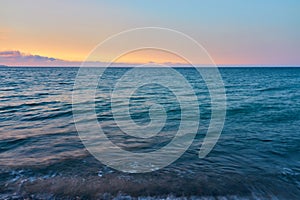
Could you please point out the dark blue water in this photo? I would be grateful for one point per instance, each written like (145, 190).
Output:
(256, 157)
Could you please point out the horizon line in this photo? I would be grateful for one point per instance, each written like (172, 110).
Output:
(130, 65)
(15, 58)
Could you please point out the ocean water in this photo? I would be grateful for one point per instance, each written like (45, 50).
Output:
(256, 157)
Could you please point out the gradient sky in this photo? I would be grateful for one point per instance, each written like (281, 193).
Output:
(237, 32)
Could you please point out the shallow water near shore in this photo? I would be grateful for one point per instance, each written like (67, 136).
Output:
(256, 157)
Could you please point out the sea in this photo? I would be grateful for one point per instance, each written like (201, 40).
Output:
(257, 155)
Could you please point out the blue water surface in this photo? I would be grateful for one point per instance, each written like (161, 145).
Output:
(256, 157)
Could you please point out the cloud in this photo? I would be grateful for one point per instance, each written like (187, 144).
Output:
(9, 54)
(17, 58)
(14, 57)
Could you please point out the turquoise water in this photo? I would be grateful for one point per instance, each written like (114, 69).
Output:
(256, 157)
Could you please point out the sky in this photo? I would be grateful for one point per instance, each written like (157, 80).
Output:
(234, 32)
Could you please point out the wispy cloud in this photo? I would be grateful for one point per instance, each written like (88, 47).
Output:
(17, 58)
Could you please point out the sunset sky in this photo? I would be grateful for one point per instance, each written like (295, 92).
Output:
(234, 32)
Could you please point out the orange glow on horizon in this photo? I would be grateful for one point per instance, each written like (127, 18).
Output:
(149, 56)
